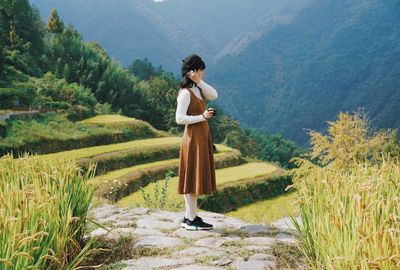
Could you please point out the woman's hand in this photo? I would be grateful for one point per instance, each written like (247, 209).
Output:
(194, 76)
(208, 114)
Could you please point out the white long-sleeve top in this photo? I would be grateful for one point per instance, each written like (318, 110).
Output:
(183, 99)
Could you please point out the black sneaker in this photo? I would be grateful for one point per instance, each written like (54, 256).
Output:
(184, 221)
(197, 224)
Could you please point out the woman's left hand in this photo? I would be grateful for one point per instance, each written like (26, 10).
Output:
(194, 76)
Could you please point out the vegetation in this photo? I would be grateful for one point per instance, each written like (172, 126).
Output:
(331, 57)
(59, 134)
(43, 214)
(268, 210)
(158, 199)
(235, 175)
(49, 66)
(350, 205)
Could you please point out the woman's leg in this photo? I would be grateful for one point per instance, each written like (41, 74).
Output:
(191, 205)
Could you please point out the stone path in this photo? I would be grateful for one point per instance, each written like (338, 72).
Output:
(232, 244)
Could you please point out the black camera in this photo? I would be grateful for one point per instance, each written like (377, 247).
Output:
(213, 110)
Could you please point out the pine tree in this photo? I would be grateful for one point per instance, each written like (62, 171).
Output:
(15, 40)
(54, 24)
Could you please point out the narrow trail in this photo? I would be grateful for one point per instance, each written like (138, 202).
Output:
(232, 244)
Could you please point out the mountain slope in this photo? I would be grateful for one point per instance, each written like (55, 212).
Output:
(334, 56)
(166, 32)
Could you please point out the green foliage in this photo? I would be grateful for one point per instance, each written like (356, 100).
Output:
(54, 24)
(24, 94)
(57, 133)
(144, 69)
(58, 94)
(159, 196)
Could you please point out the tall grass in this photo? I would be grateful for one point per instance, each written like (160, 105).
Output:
(351, 216)
(43, 207)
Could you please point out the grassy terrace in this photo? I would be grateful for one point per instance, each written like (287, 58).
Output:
(268, 210)
(103, 149)
(112, 175)
(227, 176)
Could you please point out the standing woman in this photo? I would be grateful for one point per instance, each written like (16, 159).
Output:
(196, 161)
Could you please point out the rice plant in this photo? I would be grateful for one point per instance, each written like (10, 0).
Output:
(350, 207)
(43, 207)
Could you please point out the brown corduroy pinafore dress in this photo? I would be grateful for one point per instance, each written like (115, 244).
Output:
(196, 159)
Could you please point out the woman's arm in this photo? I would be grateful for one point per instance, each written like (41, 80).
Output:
(208, 91)
(183, 104)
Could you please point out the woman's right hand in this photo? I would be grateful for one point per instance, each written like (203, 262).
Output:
(208, 114)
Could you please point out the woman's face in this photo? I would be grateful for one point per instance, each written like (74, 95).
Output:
(201, 73)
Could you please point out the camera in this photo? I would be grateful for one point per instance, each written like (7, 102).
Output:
(213, 110)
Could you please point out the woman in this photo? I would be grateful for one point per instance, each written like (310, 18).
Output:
(196, 161)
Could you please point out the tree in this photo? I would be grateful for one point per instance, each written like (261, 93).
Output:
(15, 40)
(55, 24)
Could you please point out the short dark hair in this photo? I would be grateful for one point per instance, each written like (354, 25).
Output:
(191, 62)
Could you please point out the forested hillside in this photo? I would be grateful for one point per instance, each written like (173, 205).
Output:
(166, 32)
(334, 56)
(47, 65)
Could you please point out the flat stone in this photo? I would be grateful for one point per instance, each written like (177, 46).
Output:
(137, 211)
(158, 241)
(98, 232)
(286, 224)
(103, 211)
(211, 214)
(197, 267)
(210, 242)
(262, 257)
(124, 223)
(154, 262)
(287, 238)
(199, 252)
(154, 223)
(168, 216)
(194, 234)
(258, 248)
(240, 264)
(120, 232)
(143, 232)
(260, 241)
(222, 262)
(232, 238)
(254, 228)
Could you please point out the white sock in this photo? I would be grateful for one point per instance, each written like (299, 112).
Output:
(191, 205)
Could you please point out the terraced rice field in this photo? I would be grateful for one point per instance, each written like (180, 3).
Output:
(231, 175)
(103, 149)
(268, 210)
(147, 164)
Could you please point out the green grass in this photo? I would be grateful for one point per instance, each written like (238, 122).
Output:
(229, 175)
(268, 210)
(109, 118)
(102, 149)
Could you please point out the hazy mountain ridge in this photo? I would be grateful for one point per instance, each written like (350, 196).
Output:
(332, 57)
(166, 31)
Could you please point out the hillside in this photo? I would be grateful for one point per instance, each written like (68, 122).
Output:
(334, 56)
(166, 32)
